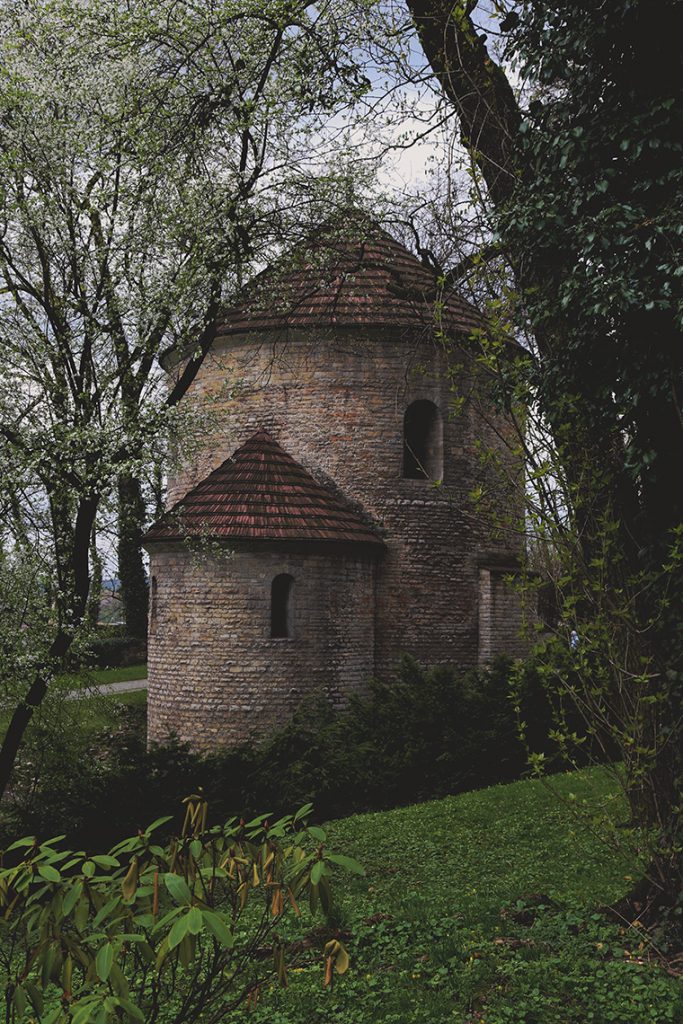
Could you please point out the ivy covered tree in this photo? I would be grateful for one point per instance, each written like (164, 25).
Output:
(578, 158)
(149, 152)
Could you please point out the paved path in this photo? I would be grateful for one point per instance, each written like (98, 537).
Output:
(125, 686)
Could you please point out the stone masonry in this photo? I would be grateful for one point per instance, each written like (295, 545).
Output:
(216, 675)
(334, 396)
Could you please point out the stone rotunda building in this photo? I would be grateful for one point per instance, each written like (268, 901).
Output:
(325, 524)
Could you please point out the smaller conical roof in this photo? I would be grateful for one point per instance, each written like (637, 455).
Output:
(262, 493)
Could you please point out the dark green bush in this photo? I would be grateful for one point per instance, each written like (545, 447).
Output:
(107, 647)
(426, 734)
(117, 651)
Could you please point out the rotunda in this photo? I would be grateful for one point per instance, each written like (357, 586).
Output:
(326, 523)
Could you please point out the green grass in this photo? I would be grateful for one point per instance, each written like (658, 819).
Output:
(94, 713)
(117, 675)
(99, 713)
(131, 699)
(438, 931)
(85, 717)
(477, 849)
(95, 677)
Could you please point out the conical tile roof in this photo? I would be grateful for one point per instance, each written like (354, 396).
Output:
(350, 276)
(262, 493)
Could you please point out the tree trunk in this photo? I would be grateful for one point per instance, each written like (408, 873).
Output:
(476, 86)
(72, 542)
(95, 594)
(131, 567)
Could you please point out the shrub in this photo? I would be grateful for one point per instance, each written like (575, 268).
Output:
(426, 734)
(107, 646)
(146, 930)
(117, 651)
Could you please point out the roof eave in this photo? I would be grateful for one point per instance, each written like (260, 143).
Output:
(376, 546)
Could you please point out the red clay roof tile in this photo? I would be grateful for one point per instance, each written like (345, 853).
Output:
(262, 493)
(349, 279)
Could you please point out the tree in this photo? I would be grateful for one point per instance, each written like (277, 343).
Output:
(581, 173)
(149, 153)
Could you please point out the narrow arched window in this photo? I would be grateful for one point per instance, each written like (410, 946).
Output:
(281, 605)
(422, 442)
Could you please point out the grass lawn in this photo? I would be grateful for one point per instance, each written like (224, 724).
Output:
(95, 677)
(86, 716)
(92, 714)
(483, 909)
(117, 675)
(101, 711)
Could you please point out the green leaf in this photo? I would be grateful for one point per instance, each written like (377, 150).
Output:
(317, 871)
(146, 952)
(52, 1016)
(186, 950)
(134, 1012)
(104, 960)
(162, 953)
(255, 822)
(178, 888)
(195, 921)
(81, 915)
(313, 898)
(105, 861)
(317, 833)
(144, 920)
(83, 1013)
(324, 893)
(72, 897)
(303, 811)
(19, 1000)
(159, 822)
(166, 919)
(19, 844)
(105, 911)
(36, 996)
(49, 873)
(218, 928)
(118, 981)
(178, 931)
(348, 863)
(47, 962)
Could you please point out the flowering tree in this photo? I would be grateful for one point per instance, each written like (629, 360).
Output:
(149, 152)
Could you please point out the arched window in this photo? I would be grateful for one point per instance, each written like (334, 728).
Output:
(422, 442)
(281, 605)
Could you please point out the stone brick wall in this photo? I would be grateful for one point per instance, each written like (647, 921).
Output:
(215, 673)
(336, 403)
(501, 616)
